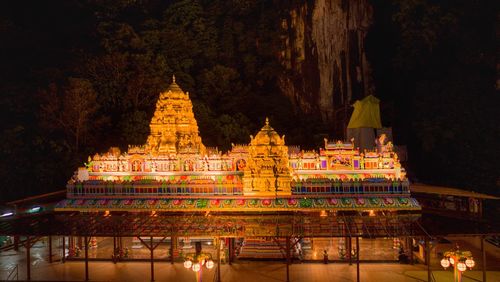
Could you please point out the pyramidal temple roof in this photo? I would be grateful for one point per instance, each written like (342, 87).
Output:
(173, 128)
(174, 87)
(267, 136)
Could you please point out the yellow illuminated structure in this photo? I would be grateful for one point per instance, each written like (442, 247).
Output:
(174, 171)
(173, 128)
(267, 171)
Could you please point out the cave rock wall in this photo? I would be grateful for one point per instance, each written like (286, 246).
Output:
(324, 56)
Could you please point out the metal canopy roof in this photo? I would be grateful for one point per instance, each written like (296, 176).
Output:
(448, 191)
(240, 225)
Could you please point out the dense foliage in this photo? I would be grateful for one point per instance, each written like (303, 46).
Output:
(79, 76)
(436, 62)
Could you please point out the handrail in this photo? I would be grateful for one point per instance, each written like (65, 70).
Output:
(14, 273)
(432, 276)
(215, 274)
(37, 197)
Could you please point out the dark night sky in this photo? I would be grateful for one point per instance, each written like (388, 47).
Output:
(435, 70)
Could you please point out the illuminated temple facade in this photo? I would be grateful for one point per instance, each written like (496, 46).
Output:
(174, 171)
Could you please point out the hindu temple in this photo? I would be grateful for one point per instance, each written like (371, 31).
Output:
(174, 171)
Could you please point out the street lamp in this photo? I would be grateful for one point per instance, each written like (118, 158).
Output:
(195, 261)
(460, 260)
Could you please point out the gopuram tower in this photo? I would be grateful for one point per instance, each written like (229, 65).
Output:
(267, 171)
(173, 128)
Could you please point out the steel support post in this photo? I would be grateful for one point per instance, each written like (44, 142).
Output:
(50, 249)
(411, 251)
(63, 258)
(483, 251)
(349, 249)
(152, 260)
(357, 258)
(230, 251)
(218, 259)
(428, 259)
(173, 240)
(28, 258)
(16, 243)
(86, 258)
(287, 259)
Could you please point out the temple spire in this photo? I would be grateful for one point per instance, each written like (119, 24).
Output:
(267, 121)
(173, 128)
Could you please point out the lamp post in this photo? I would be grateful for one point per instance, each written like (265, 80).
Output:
(459, 260)
(196, 261)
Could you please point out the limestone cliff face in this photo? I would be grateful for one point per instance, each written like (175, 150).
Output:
(324, 55)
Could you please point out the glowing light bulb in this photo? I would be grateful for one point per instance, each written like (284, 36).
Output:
(461, 266)
(470, 263)
(196, 267)
(188, 264)
(445, 263)
(210, 264)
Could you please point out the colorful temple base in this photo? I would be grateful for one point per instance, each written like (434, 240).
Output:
(242, 204)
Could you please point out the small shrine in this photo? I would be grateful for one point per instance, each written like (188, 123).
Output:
(267, 171)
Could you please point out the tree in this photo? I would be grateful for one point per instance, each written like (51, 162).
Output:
(71, 110)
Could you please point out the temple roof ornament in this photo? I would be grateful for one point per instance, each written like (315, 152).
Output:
(267, 136)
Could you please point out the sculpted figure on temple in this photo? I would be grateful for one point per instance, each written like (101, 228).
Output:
(163, 142)
(156, 117)
(380, 142)
(167, 140)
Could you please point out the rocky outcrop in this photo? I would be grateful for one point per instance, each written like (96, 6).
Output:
(324, 55)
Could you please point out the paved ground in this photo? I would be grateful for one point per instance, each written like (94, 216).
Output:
(241, 271)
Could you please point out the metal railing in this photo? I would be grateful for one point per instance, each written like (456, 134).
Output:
(13, 274)
(215, 279)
